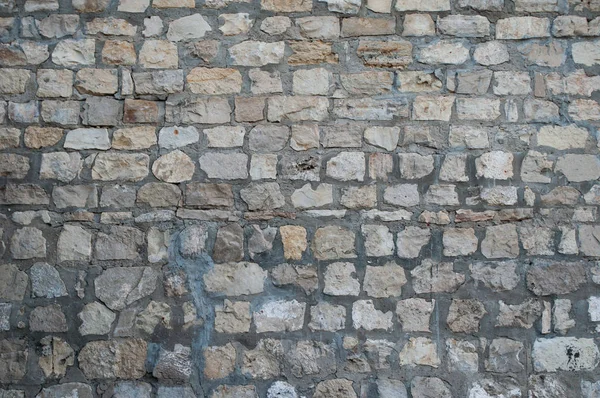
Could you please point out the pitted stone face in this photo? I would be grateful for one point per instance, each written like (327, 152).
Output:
(299, 198)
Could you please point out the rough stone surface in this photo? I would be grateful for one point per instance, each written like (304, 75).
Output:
(295, 198)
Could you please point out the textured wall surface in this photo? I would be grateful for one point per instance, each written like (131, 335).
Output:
(298, 198)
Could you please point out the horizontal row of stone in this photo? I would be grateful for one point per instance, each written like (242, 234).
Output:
(328, 243)
(105, 111)
(313, 27)
(280, 6)
(264, 138)
(419, 386)
(309, 358)
(57, 83)
(162, 54)
(176, 167)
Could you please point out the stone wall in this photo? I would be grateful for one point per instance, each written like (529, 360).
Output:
(298, 198)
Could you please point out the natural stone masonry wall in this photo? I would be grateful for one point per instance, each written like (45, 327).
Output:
(297, 198)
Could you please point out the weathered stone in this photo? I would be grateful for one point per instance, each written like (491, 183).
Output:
(418, 25)
(154, 315)
(578, 168)
(158, 82)
(312, 82)
(443, 195)
(347, 166)
(26, 112)
(556, 278)
(235, 24)
(444, 52)
(187, 28)
(492, 387)
(279, 316)
(304, 276)
(431, 277)
(226, 391)
(13, 283)
(276, 25)
(414, 314)
(140, 111)
(384, 281)
(497, 276)
(65, 113)
(335, 388)
(517, 28)
(65, 390)
(255, 53)
(102, 111)
(263, 196)
(511, 83)
(325, 28)
(419, 351)
(333, 242)
(54, 83)
(81, 196)
(85, 138)
(327, 317)
(264, 361)
(208, 195)
(219, 361)
(281, 389)
(28, 242)
(565, 353)
(120, 287)
(464, 25)
(462, 355)
(38, 137)
(133, 389)
(113, 358)
(286, 6)
(233, 317)
(235, 279)
(118, 52)
(229, 244)
(174, 365)
(343, 6)
(519, 315)
(214, 81)
(424, 387)
(459, 242)
(57, 355)
(367, 26)
(228, 166)
(173, 167)
(97, 81)
(121, 244)
(249, 109)
(586, 53)
(505, 356)
(13, 166)
(464, 316)
(13, 81)
(159, 195)
(95, 319)
(158, 54)
(411, 240)
(46, 281)
(311, 52)
(72, 53)
(427, 6)
(396, 54)
(60, 166)
(49, 319)
(500, 241)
